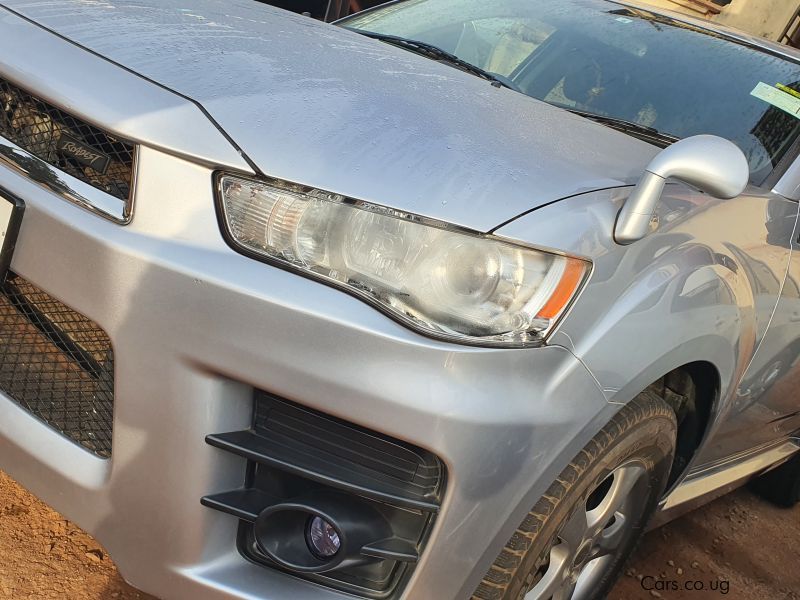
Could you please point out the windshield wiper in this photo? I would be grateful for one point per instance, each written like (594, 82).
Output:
(436, 53)
(648, 134)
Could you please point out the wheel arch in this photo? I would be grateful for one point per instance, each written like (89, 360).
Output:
(713, 382)
(692, 391)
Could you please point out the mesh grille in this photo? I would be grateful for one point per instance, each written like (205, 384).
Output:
(37, 127)
(57, 364)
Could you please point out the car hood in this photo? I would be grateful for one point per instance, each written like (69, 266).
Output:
(315, 104)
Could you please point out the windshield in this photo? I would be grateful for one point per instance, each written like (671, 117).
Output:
(599, 57)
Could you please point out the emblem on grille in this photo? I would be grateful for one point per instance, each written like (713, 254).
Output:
(86, 155)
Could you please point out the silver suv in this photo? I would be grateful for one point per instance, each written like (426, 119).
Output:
(444, 301)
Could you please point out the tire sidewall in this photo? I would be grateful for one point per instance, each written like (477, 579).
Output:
(650, 441)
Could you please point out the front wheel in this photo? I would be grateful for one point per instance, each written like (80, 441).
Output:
(575, 541)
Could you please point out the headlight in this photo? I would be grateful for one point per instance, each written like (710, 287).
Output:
(443, 282)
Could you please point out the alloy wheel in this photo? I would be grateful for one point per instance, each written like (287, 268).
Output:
(584, 549)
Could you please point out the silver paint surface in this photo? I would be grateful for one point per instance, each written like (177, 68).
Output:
(703, 287)
(107, 96)
(196, 326)
(312, 103)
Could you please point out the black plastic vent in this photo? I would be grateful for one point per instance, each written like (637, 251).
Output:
(57, 364)
(65, 142)
(296, 454)
(334, 452)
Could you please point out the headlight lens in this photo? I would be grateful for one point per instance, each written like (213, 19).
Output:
(446, 283)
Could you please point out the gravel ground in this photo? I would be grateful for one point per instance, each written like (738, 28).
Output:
(737, 547)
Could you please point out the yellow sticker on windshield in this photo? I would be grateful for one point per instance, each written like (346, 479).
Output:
(787, 89)
(777, 98)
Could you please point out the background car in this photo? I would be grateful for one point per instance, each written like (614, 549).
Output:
(325, 10)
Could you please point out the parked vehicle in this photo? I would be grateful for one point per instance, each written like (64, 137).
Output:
(447, 300)
(324, 10)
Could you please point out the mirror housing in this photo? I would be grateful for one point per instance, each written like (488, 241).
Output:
(709, 163)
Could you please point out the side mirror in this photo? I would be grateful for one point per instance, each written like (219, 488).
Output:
(709, 163)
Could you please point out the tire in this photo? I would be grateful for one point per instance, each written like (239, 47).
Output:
(781, 485)
(637, 446)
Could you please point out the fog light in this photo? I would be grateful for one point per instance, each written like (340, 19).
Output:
(322, 538)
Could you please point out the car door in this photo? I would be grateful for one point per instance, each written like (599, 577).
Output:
(766, 406)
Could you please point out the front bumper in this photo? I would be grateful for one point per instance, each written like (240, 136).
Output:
(196, 327)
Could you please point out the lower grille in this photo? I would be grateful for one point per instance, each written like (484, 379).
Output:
(57, 364)
(383, 493)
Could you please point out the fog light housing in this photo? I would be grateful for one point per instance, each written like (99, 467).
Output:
(322, 538)
(383, 510)
(323, 532)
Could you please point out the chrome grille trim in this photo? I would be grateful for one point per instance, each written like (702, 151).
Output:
(60, 152)
(68, 187)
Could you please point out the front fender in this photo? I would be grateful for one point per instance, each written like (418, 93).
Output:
(684, 293)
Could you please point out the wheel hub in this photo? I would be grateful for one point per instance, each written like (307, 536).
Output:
(583, 551)
(582, 554)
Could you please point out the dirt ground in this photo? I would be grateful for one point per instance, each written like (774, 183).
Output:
(42, 555)
(737, 547)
